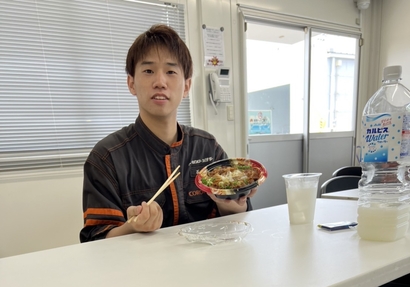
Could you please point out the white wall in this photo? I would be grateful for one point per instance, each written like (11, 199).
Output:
(39, 212)
(386, 42)
(395, 37)
(232, 135)
(44, 211)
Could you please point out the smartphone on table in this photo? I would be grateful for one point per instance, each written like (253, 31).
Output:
(337, 225)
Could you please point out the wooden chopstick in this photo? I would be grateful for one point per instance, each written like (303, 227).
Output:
(168, 182)
(170, 179)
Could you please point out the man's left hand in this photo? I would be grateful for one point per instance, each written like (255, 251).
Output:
(230, 206)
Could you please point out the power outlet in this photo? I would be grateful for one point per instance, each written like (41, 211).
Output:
(230, 113)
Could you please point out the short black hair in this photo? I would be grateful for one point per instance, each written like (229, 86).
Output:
(159, 36)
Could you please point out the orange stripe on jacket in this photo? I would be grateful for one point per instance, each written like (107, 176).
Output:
(174, 194)
(103, 211)
(92, 222)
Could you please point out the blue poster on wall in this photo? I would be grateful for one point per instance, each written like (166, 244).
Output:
(260, 122)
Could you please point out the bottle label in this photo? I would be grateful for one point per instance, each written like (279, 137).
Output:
(382, 137)
(405, 137)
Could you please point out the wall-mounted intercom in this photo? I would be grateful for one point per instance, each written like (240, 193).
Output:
(220, 89)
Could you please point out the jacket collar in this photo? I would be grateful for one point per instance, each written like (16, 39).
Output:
(153, 141)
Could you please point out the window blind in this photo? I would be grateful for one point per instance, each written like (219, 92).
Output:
(62, 76)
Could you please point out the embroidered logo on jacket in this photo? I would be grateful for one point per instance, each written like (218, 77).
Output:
(195, 193)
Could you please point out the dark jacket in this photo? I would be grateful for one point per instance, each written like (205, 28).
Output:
(130, 165)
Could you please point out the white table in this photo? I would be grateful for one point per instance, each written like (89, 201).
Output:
(350, 194)
(274, 254)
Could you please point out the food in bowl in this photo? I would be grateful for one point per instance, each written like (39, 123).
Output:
(231, 178)
(239, 174)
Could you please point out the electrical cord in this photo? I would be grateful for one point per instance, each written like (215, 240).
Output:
(213, 103)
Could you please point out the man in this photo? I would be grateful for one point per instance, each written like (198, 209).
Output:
(125, 169)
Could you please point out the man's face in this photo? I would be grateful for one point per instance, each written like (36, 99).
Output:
(159, 85)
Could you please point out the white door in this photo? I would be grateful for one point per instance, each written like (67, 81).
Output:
(301, 102)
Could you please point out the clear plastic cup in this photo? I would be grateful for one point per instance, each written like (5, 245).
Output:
(301, 193)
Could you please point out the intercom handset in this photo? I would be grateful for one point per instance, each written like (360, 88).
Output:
(220, 86)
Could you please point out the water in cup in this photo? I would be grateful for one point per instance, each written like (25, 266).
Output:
(301, 192)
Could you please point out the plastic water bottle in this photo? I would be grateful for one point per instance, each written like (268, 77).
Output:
(384, 190)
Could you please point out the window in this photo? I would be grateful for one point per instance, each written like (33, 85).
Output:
(62, 78)
(275, 79)
(333, 71)
(301, 73)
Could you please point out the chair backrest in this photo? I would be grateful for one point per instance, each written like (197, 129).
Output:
(340, 183)
(348, 170)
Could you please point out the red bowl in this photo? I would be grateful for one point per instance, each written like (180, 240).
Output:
(233, 193)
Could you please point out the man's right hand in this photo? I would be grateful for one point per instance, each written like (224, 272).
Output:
(145, 218)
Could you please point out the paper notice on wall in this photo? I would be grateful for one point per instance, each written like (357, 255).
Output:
(260, 122)
(213, 46)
